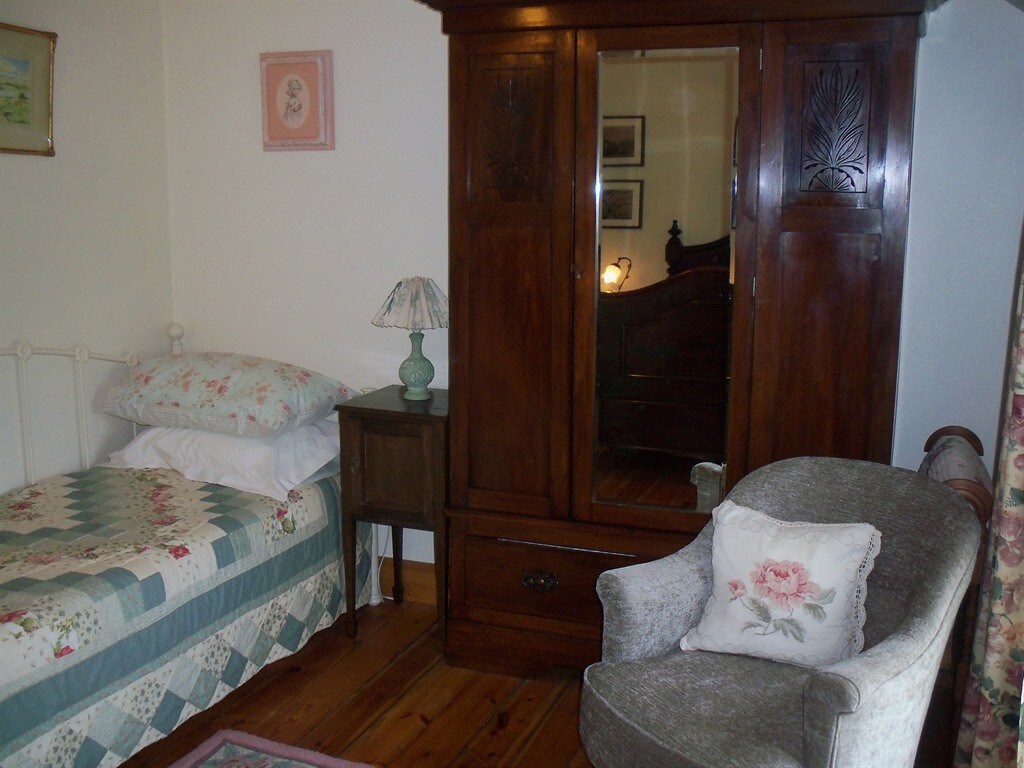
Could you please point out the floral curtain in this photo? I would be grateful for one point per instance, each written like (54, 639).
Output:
(990, 727)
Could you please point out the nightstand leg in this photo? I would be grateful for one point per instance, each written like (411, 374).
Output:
(396, 551)
(348, 540)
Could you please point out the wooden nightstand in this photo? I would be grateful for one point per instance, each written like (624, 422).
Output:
(394, 471)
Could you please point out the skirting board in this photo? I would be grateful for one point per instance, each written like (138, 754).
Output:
(417, 578)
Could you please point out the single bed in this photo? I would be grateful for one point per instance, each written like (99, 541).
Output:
(134, 597)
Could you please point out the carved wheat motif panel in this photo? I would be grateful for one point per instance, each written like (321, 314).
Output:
(834, 151)
(510, 144)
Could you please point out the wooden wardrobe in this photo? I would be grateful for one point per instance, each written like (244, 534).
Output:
(819, 219)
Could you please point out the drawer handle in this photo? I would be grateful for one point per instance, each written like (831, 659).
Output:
(354, 467)
(540, 581)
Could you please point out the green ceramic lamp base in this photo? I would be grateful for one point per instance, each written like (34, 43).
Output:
(416, 372)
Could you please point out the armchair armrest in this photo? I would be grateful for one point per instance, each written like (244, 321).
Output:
(648, 607)
(848, 704)
(875, 691)
(842, 687)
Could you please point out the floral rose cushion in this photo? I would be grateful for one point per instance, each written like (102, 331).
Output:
(785, 591)
(225, 392)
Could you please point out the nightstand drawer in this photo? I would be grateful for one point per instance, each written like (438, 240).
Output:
(542, 580)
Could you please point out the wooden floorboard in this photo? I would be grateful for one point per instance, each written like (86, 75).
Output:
(509, 728)
(388, 698)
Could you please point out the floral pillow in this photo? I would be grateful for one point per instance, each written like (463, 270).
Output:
(785, 591)
(225, 392)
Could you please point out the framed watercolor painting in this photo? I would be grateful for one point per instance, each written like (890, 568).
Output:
(622, 204)
(622, 140)
(26, 90)
(298, 100)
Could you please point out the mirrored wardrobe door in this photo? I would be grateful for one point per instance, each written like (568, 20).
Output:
(661, 240)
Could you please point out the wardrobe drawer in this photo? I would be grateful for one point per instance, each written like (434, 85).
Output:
(534, 579)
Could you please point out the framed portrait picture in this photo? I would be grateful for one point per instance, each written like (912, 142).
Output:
(622, 140)
(26, 90)
(298, 100)
(622, 204)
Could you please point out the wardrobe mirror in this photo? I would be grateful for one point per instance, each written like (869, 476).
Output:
(666, 202)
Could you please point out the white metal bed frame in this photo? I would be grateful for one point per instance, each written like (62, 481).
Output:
(22, 352)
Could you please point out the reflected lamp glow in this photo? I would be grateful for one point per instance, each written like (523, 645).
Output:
(416, 304)
(613, 273)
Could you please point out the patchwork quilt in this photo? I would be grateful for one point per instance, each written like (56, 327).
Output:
(131, 599)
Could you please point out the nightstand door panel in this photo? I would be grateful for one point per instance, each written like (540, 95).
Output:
(394, 479)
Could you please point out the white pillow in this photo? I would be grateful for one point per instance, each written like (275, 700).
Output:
(271, 466)
(785, 591)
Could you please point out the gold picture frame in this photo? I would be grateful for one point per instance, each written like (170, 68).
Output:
(26, 90)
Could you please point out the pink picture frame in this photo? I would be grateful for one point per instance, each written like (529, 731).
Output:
(298, 100)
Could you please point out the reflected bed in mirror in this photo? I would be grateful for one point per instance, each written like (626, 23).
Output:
(662, 386)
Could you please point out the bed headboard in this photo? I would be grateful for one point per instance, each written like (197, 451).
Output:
(37, 406)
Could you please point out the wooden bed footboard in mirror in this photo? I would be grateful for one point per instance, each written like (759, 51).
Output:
(662, 386)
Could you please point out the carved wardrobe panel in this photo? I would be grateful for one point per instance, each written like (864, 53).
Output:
(511, 243)
(836, 100)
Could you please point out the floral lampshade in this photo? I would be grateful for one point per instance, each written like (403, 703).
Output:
(416, 303)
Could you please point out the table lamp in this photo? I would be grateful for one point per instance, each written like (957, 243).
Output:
(416, 303)
(613, 272)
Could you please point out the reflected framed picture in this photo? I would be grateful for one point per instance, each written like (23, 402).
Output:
(622, 140)
(26, 90)
(298, 100)
(622, 204)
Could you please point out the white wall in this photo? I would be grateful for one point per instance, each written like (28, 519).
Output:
(966, 212)
(290, 254)
(83, 235)
(84, 244)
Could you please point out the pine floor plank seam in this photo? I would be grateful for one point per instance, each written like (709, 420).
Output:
(388, 698)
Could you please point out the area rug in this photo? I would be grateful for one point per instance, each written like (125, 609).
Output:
(234, 749)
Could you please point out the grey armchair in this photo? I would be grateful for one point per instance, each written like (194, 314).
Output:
(646, 703)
